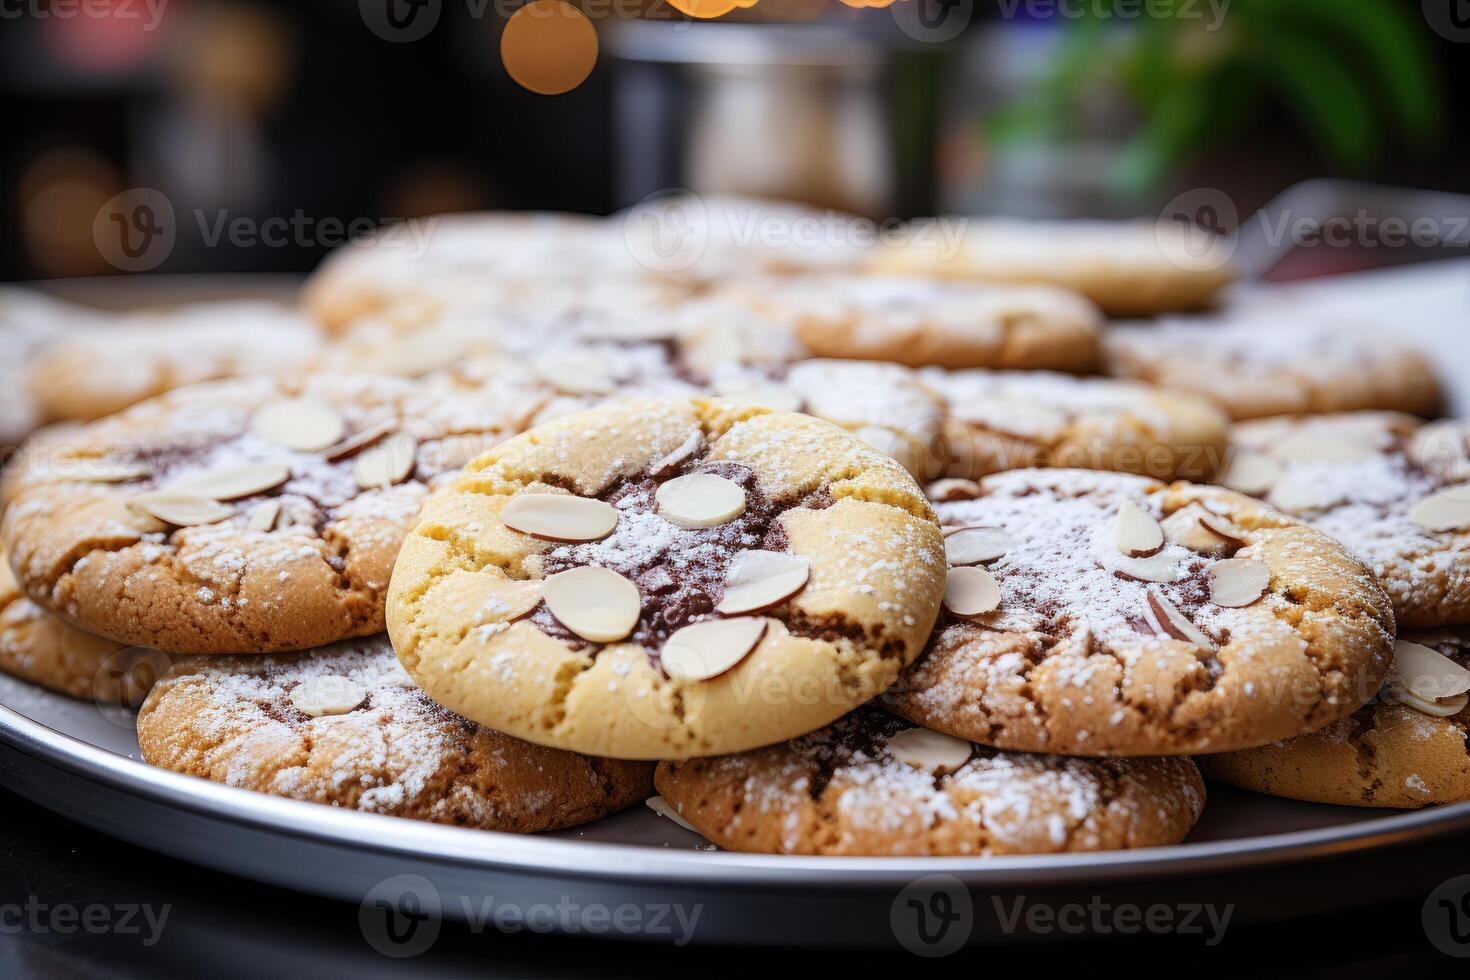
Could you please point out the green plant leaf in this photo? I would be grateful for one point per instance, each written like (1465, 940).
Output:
(1324, 92)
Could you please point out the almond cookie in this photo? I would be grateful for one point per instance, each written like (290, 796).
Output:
(1394, 490)
(885, 405)
(244, 516)
(1006, 420)
(666, 579)
(1253, 365)
(345, 726)
(104, 369)
(30, 322)
(1129, 268)
(491, 261)
(920, 321)
(41, 647)
(872, 784)
(1405, 749)
(1100, 614)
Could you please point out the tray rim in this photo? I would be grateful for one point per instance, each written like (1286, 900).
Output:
(538, 855)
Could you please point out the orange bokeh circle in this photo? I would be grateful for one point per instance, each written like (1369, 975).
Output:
(549, 47)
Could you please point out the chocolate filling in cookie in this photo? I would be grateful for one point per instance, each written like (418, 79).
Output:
(680, 572)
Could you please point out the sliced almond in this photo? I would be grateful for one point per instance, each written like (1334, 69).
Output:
(298, 423)
(1303, 492)
(182, 510)
(776, 397)
(1161, 568)
(704, 650)
(943, 491)
(1166, 618)
(758, 580)
(661, 806)
(975, 545)
(356, 443)
(971, 591)
(575, 372)
(1194, 528)
(560, 517)
(1427, 673)
(330, 695)
(1137, 534)
(100, 469)
(1218, 525)
(1448, 708)
(1237, 582)
(700, 500)
(671, 461)
(263, 517)
(1251, 473)
(386, 464)
(1447, 510)
(233, 482)
(596, 603)
(930, 751)
(1307, 446)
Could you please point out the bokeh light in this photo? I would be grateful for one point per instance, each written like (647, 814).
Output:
(549, 47)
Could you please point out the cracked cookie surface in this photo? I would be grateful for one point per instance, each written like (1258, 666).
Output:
(1258, 364)
(476, 620)
(872, 784)
(1395, 490)
(1386, 754)
(1225, 624)
(921, 322)
(245, 516)
(1004, 420)
(345, 726)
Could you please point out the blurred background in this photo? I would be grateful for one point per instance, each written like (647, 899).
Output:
(266, 132)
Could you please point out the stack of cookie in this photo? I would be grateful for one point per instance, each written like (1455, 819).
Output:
(834, 545)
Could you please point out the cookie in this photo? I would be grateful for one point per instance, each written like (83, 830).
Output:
(345, 726)
(100, 370)
(42, 648)
(244, 516)
(1129, 268)
(30, 323)
(1101, 614)
(885, 405)
(667, 579)
(871, 784)
(1258, 364)
(1004, 420)
(544, 262)
(1399, 751)
(923, 321)
(1395, 491)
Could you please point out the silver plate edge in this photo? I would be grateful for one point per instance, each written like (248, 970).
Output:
(595, 861)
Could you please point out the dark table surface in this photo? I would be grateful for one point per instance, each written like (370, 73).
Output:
(53, 871)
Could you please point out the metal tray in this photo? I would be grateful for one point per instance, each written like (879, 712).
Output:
(638, 875)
